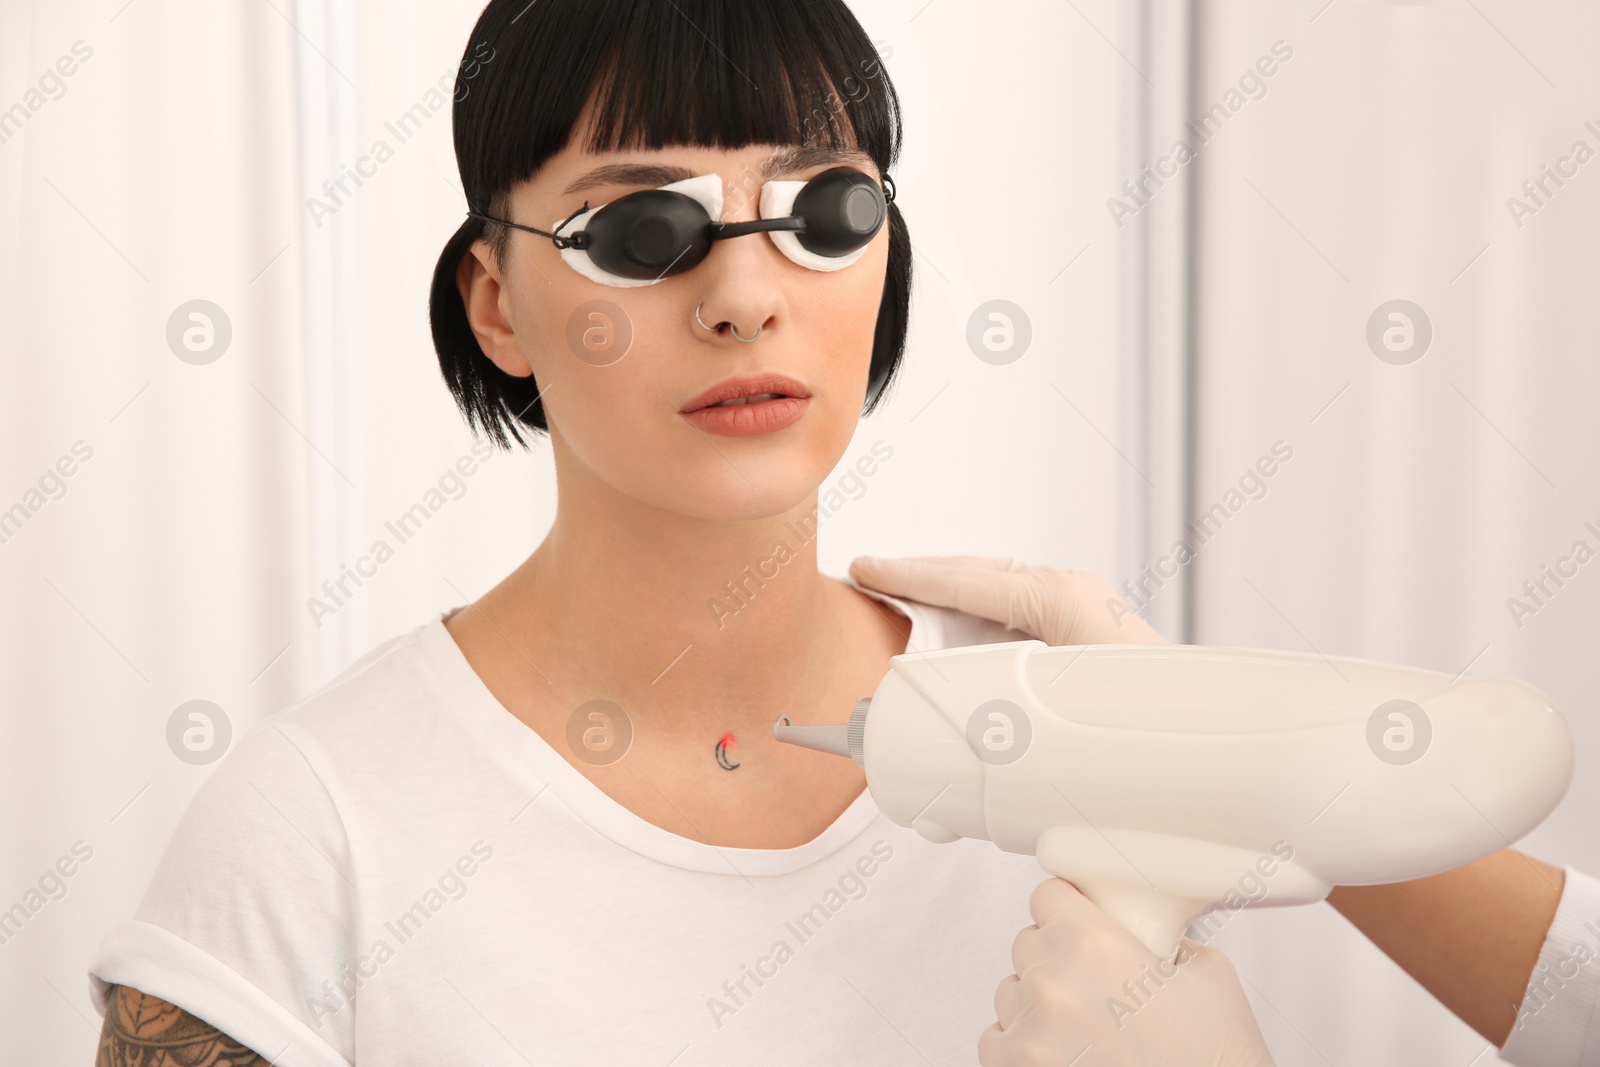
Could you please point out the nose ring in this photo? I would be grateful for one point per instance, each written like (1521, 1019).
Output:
(731, 329)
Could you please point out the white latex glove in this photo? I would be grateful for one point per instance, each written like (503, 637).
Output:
(1059, 607)
(1073, 965)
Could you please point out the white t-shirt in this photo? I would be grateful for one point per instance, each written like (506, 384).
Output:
(396, 871)
(1555, 1025)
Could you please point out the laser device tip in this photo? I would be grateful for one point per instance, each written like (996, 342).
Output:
(842, 740)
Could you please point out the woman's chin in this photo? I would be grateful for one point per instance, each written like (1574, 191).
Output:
(716, 478)
(726, 496)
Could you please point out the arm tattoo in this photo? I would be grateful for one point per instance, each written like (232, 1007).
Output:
(145, 1031)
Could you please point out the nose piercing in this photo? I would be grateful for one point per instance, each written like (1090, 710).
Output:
(731, 329)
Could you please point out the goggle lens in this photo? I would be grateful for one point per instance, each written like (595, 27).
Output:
(655, 233)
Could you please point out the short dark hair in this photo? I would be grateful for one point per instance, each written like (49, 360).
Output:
(713, 73)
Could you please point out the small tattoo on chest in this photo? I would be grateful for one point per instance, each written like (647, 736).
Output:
(722, 753)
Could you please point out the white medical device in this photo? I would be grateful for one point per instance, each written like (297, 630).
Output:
(1156, 778)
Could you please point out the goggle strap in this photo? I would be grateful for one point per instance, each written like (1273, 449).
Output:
(576, 240)
(720, 230)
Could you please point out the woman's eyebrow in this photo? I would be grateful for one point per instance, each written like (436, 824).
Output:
(783, 161)
(789, 160)
(651, 174)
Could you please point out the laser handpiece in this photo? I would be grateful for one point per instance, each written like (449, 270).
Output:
(1153, 777)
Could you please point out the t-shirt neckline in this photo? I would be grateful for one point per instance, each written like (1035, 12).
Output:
(527, 756)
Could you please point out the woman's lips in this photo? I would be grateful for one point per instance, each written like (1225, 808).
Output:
(747, 386)
(748, 419)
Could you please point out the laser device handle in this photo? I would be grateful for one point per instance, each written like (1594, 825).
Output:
(1156, 917)
(1159, 915)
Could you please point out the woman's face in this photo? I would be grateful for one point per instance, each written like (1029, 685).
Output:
(623, 419)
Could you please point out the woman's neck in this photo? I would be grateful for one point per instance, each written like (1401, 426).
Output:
(699, 621)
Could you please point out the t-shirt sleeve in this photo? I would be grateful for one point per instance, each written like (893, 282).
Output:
(248, 922)
(1555, 1026)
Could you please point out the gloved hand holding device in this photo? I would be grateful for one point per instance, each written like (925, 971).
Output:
(1152, 777)
(1057, 1004)
(1086, 992)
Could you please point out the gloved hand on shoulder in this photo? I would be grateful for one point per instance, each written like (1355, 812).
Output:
(1059, 607)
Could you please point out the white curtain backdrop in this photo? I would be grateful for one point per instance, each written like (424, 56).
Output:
(228, 458)
(157, 519)
(1376, 164)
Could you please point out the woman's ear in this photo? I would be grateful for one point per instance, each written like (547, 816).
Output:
(479, 282)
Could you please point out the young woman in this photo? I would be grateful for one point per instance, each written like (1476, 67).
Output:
(553, 826)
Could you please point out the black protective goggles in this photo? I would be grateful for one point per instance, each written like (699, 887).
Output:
(824, 223)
